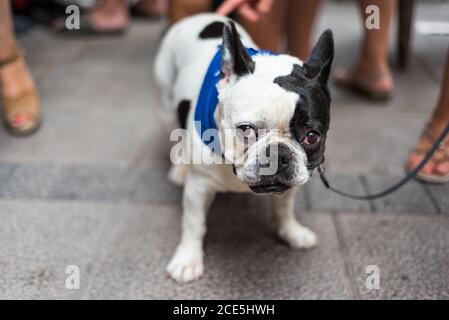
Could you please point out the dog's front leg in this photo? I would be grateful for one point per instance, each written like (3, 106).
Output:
(187, 262)
(289, 229)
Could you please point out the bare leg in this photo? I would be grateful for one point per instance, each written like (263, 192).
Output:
(15, 78)
(267, 32)
(300, 19)
(187, 262)
(371, 72)
(289, 229)
(153, 7)
(440, 119)
(179, 9)
(374, 55)
(8, 45)
(18, 92)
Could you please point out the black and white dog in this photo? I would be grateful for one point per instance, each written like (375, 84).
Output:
(262, 104)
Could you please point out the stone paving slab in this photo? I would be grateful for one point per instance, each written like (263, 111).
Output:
(410, 251)
(323, 199)
(122, 251)
(86, 183)
(40, 240)
(143, 185)
(440, 194)
(412, 197)
(244, 260)
(99, 101)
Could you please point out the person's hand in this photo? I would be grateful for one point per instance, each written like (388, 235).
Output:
(252, 10)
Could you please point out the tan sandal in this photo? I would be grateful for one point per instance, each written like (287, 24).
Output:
(22, 113)
(440, 156)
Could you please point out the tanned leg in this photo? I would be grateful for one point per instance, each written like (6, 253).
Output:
(15, 78)
(438, 122)
(301, 15)
(179, 9)
(374, 54)
(267, 32)
(372, 72)
(153, 7)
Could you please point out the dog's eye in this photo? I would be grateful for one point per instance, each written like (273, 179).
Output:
(312, 137)
(246, 130)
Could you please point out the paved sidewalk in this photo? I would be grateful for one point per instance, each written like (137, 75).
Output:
(90, 187)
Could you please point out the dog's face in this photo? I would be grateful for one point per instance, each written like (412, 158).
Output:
(273, 113)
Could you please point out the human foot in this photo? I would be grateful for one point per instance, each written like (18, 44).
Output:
(437, 169)
(373, 84)
(107, 17)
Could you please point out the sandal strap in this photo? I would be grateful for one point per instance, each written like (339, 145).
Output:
(13, 58)
(429, 135)
(441, 154)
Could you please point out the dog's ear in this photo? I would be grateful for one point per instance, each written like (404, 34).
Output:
(319, 64)
(235, 60)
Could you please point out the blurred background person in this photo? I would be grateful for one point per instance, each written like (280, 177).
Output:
(20, 98)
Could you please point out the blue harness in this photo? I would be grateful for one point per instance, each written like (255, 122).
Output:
(208, 101)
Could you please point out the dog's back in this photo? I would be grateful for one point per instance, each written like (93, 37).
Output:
(184, 56)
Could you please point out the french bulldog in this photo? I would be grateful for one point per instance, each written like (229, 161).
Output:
(264, 106)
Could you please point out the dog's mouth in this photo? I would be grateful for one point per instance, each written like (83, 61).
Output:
(270, 188)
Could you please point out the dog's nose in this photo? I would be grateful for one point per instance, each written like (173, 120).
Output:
(284, 155)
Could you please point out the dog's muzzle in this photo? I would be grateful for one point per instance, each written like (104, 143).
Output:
(280, 179)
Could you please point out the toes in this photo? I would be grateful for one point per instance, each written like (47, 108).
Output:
(299, 237)
(414, 161)
(186, 265)
(21, 121)
(442, 168)
(428, 168)
(307, 239)
(185, 273)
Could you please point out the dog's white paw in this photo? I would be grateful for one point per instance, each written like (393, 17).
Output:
(298, 236)
(186, 264)
(177, 174)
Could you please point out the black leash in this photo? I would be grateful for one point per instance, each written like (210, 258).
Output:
(411, 175)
